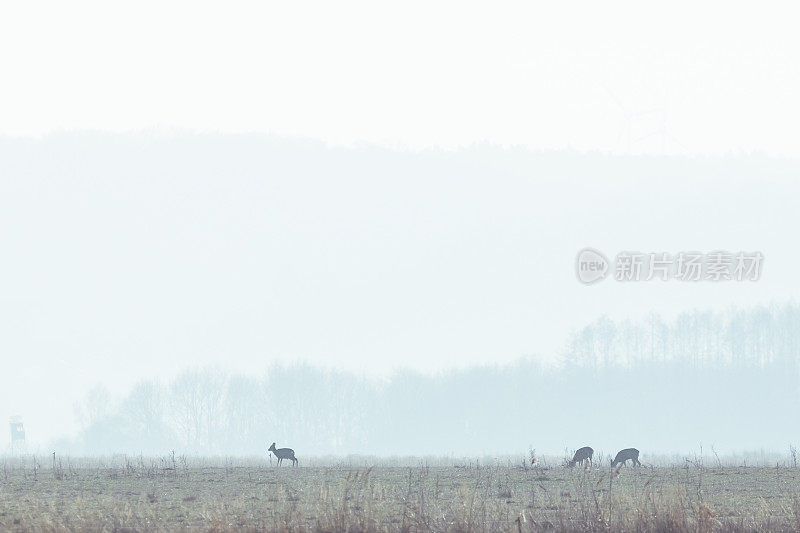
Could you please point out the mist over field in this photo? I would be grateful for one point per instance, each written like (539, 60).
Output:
(214, 293)
(665, 387)
(389, 267)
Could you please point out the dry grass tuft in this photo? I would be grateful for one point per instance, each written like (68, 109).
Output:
(147, 496)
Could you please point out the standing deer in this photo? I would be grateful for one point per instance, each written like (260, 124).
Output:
(624, 455)
(582, 456)
(283, 453)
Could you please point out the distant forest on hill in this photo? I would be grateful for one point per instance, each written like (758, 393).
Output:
(727, 380)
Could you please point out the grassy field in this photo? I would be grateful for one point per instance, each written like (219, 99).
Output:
(141, 494)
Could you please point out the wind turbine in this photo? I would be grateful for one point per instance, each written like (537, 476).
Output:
(661, 130)
(628, 117)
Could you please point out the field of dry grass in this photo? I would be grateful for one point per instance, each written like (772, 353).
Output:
(142, 494)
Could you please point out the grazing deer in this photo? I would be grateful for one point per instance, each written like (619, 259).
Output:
(582, 456)
(624, 455)
(283, 453)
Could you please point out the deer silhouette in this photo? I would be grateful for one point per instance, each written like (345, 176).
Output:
(582, 456)
(624, 455)
(283, 453)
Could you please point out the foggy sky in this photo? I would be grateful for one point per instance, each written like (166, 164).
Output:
(131, 256)
(370, 188)
(621, 77)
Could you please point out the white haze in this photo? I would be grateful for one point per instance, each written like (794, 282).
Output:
(368, 187)
(683, 77)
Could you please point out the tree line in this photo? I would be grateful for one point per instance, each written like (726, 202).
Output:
(724, 379)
